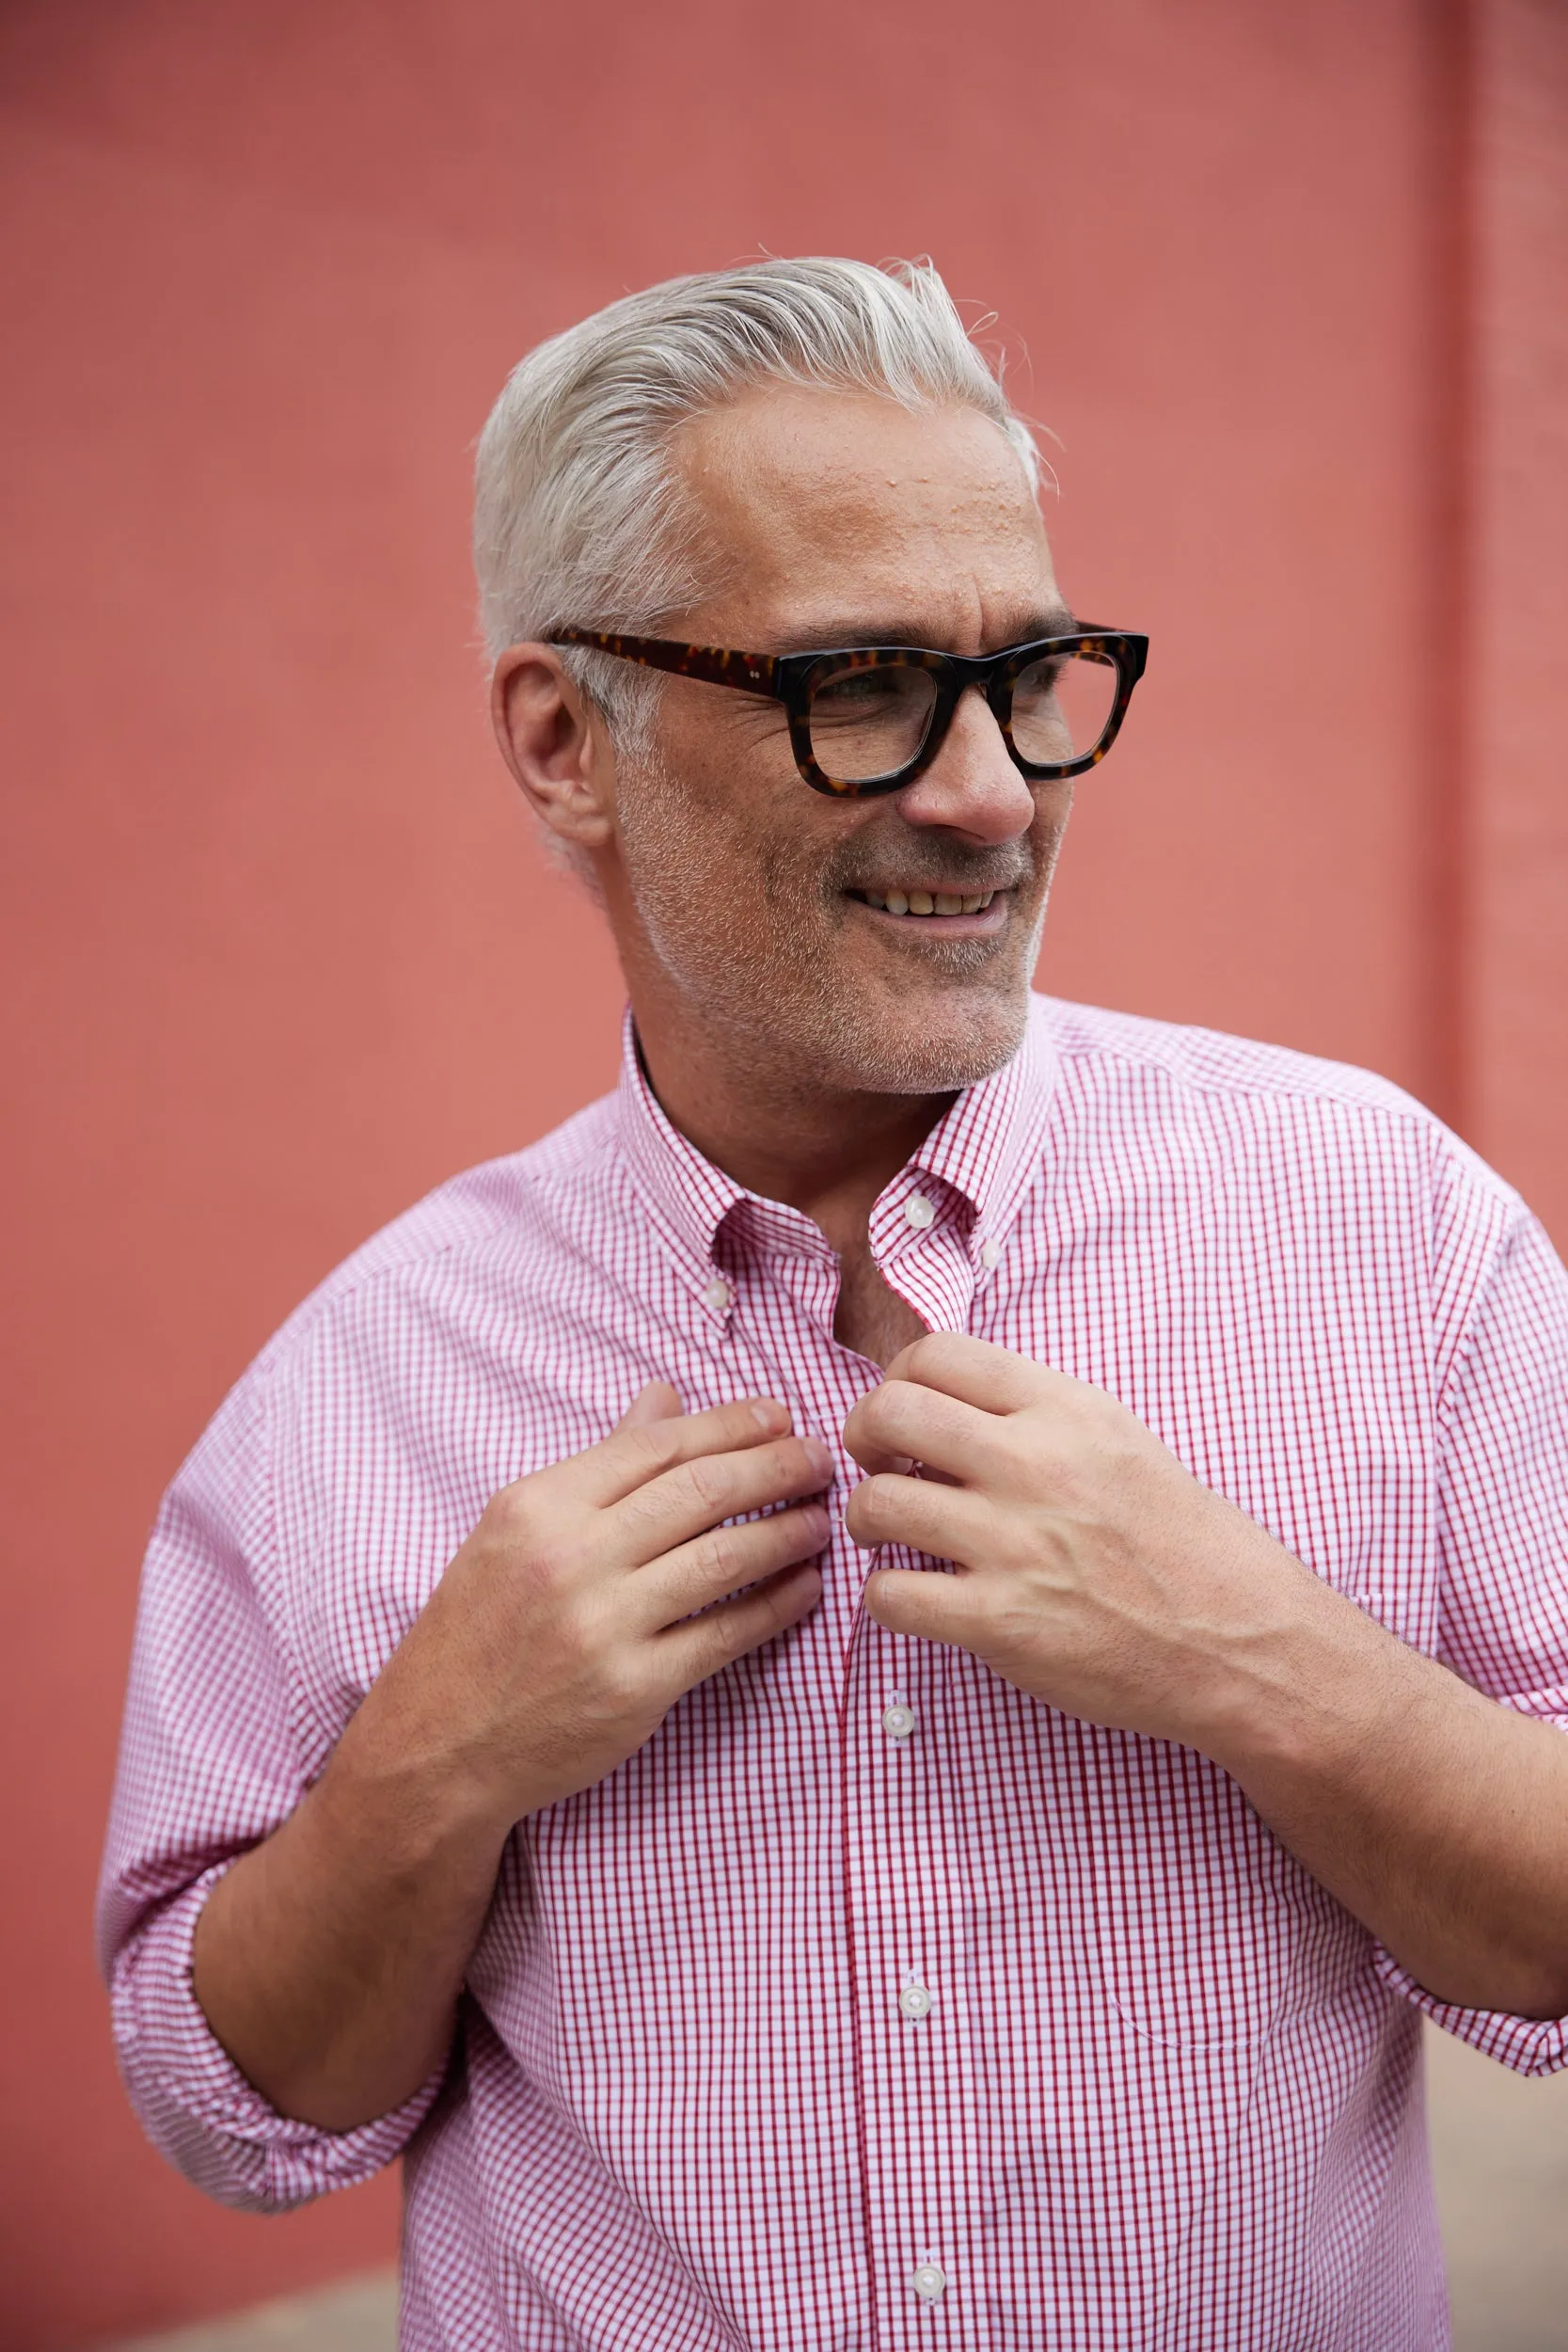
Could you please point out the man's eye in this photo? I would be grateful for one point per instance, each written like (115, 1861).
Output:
(859, 690)
(859, 693)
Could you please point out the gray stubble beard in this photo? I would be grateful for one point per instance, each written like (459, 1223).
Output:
(810, 1032)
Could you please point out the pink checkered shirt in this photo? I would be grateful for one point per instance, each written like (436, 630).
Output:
(872, 2003)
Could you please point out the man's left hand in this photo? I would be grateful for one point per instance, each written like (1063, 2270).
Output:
(1093, 1570)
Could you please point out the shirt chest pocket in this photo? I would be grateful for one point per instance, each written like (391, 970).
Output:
(1210, 1934)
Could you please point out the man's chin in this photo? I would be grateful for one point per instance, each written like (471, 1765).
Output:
(935, 1038)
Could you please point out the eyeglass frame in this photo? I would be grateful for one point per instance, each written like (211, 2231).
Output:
(792, 679)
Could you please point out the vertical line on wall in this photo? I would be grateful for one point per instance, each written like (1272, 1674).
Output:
(1448, 619)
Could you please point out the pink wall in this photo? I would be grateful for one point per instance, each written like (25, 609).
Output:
(1512, 619)
(282, 951)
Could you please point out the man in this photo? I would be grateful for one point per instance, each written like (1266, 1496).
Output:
(857, 1702)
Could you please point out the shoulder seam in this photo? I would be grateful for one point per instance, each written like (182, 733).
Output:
(1408, 1111)
(1343, 1083)
(339, 1286)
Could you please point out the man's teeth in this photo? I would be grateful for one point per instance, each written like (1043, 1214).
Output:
(927, 902)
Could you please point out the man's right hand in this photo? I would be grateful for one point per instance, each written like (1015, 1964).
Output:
(591, 1596)
(588, 1599)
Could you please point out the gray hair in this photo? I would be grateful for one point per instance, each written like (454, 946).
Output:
(580, 520)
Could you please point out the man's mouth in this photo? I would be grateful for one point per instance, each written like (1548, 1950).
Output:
(926, 903)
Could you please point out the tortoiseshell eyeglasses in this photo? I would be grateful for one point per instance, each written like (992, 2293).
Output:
(866, 719)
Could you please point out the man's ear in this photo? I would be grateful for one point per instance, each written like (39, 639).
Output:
(554, 745)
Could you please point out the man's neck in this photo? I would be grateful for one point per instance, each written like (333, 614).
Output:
(827, 1153)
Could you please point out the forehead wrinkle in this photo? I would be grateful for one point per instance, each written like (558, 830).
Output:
(988, 626)
(852, 451)
(884, 521)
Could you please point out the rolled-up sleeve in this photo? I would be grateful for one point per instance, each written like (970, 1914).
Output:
(212, 1761)
(1503, 1501)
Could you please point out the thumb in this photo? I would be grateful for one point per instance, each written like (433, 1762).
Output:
(918, 1601)
(659, 1401)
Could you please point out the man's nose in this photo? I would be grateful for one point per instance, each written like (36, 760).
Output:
(971, 786)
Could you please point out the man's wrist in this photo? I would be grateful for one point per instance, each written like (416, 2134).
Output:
(428, 1793)
(1302, 1687)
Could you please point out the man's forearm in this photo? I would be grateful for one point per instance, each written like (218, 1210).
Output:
(328, 1961)
(1438, 1817)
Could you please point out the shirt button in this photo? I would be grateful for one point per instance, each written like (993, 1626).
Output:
(718, 1294)
(991, 1253)
(898, 1722)
(918, 1211)
(915, 2002)
(928, 2281)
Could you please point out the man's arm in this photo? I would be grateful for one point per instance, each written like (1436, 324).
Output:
(1095, 1573)
(329, 1959)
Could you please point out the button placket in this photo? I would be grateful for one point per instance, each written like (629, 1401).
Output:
(922, 2126)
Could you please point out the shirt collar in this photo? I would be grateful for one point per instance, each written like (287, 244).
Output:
(988, 1146)
(986, 1149)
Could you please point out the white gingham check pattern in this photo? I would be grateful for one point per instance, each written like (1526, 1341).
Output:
(1166, 2095)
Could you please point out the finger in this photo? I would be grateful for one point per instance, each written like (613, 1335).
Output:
(659, 1401)
(701, 1572)
(949, 1522)
(695, 1495)
(628, 1459)
(901, 1423)
(993, 1378)
(921, 1602)
(694, 1651)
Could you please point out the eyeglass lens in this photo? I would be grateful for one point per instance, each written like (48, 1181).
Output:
(869, 722)
(1062, 706)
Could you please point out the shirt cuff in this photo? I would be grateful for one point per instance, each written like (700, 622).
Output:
(196, 2106)
(1526, 2046)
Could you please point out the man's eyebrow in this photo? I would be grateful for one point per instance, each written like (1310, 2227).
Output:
(832, 635)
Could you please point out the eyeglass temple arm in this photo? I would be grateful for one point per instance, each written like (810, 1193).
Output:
(754, 672)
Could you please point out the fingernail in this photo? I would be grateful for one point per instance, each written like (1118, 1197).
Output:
(770, 1416)
(818, 1456)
